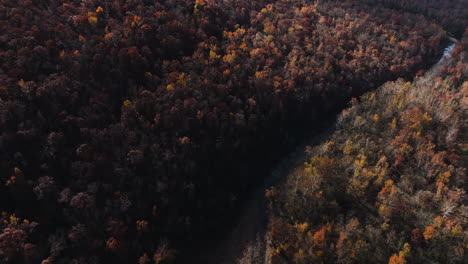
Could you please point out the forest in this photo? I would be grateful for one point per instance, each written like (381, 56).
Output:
(389, 185)
(131, 131)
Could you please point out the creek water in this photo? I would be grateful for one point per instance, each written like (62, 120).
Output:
(447, 53)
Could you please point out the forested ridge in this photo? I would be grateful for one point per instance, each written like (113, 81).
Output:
(129, 129)
(389, 185)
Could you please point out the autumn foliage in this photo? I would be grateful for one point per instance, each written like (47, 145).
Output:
(389, 185)
(130, 129)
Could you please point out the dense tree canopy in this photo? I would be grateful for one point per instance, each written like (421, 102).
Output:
(129, 127)
(389, 186)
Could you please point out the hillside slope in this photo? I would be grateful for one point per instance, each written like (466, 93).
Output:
(389, 185)
(131, 128)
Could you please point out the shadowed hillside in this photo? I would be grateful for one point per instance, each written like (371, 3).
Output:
(134, 130)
